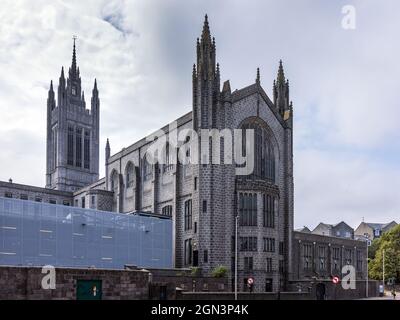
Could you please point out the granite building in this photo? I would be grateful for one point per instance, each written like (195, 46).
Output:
(72, 160)
(202, 198)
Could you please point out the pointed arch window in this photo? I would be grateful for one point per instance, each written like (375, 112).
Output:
(147, 170)
(264, 157)
(129, 175)
(168, 159)
(114, 181)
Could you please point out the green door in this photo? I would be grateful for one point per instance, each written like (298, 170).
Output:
(88, 290)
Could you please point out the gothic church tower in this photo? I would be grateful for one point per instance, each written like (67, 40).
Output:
(72, 155)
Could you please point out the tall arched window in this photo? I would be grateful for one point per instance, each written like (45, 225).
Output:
(264, 157)
(147, 169)
(168, 158)
(114, 181)
(129, 174)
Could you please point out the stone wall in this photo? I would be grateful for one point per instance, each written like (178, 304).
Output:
(20, 283)
(175, 281)
(244, 296)
(336, 292)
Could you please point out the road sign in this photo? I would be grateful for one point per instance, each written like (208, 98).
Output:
(250, 281)
(335, 280)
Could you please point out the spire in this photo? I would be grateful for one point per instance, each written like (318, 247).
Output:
(62, 73)
(74, 55)
(206, 30)
(281, 74)
(281, 91)
(95, 90)
(51, 102)
(108, 149)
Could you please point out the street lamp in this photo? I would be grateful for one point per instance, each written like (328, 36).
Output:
(236, 253)
(366, 235)
(383, 270)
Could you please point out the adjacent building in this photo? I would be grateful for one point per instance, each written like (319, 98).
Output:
(373, 230)
(341, 230)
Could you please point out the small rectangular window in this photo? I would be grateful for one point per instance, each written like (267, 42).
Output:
(205, 256)
(23, 197)
(195, 227)
(83, 202)
(37, 199)
(8, 195)
(204, 206)
(66, 203)
(52, 201)
(195, 183)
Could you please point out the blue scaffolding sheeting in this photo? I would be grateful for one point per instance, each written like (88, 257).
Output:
(37, 234)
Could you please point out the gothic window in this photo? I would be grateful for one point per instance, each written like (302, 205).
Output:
(130, 175)
(322, 258)
(264, 159)
(336, 258)
(147, 169)
(70, 156)
(248, 209)
(268, 211)
(55, 140)
(168, 161)
(347, 255)
(86, 154)
(167, 211)
(188, 215)
(78, 160)
(73, 90)
(307, 256)
(114, 182)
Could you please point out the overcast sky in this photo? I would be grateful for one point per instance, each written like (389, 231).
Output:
(344, 84)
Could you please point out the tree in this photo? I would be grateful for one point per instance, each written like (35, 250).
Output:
(390, 242)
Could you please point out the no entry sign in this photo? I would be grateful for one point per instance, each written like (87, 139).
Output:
(335, 280)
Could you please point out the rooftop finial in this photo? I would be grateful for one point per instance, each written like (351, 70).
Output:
(258, 76)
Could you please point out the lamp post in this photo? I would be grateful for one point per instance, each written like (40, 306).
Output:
(383, 270)
(236, 254)
(366, 283)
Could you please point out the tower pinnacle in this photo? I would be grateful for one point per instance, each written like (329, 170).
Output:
(74, 54)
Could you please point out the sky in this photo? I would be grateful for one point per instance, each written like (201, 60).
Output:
(343, 83)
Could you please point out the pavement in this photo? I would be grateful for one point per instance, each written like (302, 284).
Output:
(388, 296)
